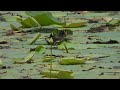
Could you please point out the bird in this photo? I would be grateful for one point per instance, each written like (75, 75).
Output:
(57, 38)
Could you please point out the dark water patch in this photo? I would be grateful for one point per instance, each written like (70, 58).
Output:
(116, 67)
(7, 67)
(3, 42)
(4, 47)
(103, 28)
(3, 72)
(2, 56)
(10, 32)
(106, 42)
(25, 77)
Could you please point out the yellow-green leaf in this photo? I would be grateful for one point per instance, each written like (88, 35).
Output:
(13, 27)
(28, 22)
(44, 18)
(71, 61)
(59, 74)
(47, 59)
(29, 57)
(107, 19)
(40, 49)
(1, 64)
(35, 38)
(75, 25)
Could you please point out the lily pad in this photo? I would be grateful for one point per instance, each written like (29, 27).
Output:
(107, 19)
(40, 49)
(59, 74)
(75, 25)
(28, 59)
(1, 64)
(47, 59)
(72, 61)
(67, 44)
(35, 38)
(44, 18)
(13, 27)
(114, 22)
(28, 22)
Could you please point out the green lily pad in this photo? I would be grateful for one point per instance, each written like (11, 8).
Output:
(67, 44)
(72, 61)
(35, 38)
(75, 25)
(1, 64)
(13, 27)
(28, 22)
(47, 59)
(40, 49)
(44, 18)
(114, 22)
(59, 74)
(28, 59)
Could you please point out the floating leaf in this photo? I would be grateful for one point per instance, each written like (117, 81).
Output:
(107, 19)
(20, 62)
(75, 25)
(50, 75)
(67, 44)
(1, 64)
(65, 75)
(47, 59)
(13, 27)
(114, 22)
(90, 62)
(35, 38)
(28, 22)
(28, 59)
(44, 18)
(58, 74)
(72, 61)
(40, 49)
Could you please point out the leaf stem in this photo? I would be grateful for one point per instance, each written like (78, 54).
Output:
(66, 48)
(51, 62)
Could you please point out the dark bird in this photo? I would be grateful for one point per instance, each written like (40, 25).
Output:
(57, 38)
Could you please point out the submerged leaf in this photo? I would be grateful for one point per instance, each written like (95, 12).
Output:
(44, 18)
(72, 61)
